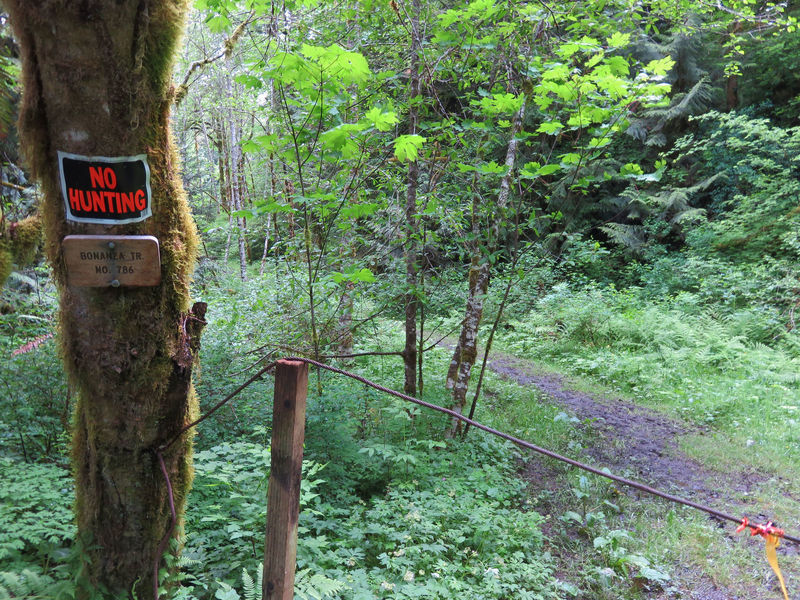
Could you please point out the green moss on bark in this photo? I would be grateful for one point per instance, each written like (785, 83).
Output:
(128, 351)
(18, 244)
(6, 262)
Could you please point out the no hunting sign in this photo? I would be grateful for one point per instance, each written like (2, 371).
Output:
(105, 190)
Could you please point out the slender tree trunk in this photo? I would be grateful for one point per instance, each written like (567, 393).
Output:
(732, 84)
(410, 248)
(421, 340)
(223, 163)
(266, 245)
(236, 168)
(128, 351)
(488, 345)
(228, 239)
(480, 269)
(345, 320)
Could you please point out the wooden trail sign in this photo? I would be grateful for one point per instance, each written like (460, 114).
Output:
(112, 260)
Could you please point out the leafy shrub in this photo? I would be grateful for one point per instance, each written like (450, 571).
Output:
(411, 543)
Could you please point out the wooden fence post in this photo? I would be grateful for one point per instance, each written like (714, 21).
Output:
(283, 496)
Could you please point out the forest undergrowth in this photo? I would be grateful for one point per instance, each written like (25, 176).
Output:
(607, 190)
(393, 509)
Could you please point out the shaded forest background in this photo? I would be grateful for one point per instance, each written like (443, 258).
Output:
(607, 188)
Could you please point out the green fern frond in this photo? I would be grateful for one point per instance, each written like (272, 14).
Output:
(316, 586)
(24, 584)
(630, 236)
(184, 561)
(707, 183)
(689, 215)
(693, 102)
(637, 129)
(659, 140)
(250, 591)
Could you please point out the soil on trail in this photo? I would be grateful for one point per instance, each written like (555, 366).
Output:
(643, 445)
(639, 443)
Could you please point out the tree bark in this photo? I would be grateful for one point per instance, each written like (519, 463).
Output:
(128, 351)
(235, 157)
(410, 247)
(466, 350)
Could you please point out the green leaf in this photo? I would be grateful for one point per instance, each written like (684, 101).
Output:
(353, 276)
(501, 103)
(548, 170)
(567, 50)
(336, 63)
(550, 128)
(226, 592)
(341, 139)
(492, 168)
(532, 170)
(249, 81)
(358, 211)
(618, 66)
(406, 147)
(631, 169)
(218, 23)
(599, 142)
(616, 87)
(618, 40)
(661, 66)
(250, 146)
(271, 205)
(382, 121)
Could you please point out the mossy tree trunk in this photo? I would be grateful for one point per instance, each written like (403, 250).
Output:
(96, 80)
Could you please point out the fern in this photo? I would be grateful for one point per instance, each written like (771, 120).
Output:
(25, 584)
(316, 586)
(695, 101)
(629, 236)
(252, 589)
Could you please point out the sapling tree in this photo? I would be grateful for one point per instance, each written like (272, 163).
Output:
(411, 220)
(97, 82)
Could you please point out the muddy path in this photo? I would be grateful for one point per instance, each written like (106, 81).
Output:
(644, 445)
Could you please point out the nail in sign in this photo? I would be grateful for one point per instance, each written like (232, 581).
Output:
(105, 190)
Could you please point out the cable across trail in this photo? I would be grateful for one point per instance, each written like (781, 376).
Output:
(543, 451)
(515, 440)
(742, 522)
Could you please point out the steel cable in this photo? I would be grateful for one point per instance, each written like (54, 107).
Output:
(456, 415)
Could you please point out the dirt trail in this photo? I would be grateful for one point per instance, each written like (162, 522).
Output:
(642, 444)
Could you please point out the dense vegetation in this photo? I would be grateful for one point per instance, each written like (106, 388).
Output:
(609, 187)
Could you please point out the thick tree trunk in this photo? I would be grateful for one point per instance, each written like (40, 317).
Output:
(129, 351)
(466, 350)
(410, 247)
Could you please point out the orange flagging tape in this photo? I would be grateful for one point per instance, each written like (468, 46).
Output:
(772, 536)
